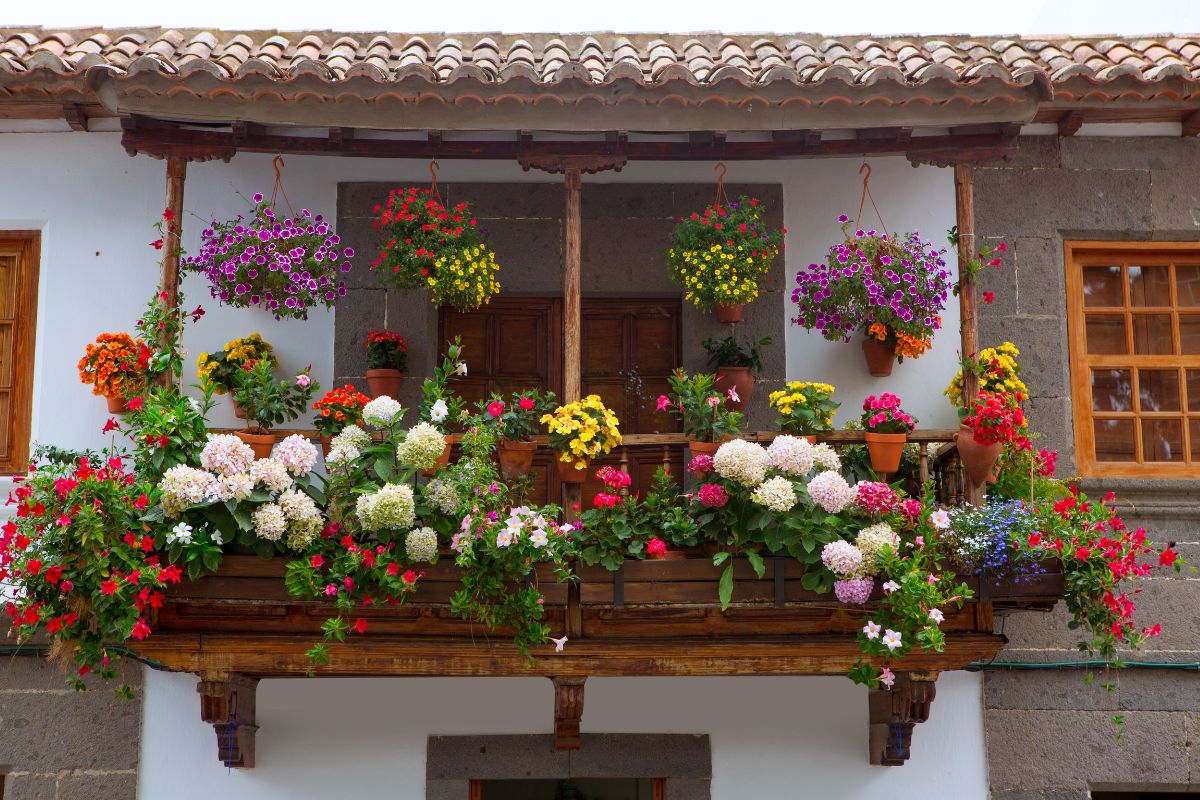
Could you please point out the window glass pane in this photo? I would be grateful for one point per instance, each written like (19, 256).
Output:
(1187, 285)
(1114, 439)
(1112, 390)
(1194, 437)
(1106, 334)
(1152, 334)
(1102, 286)
(1189, 334)
(1162, 440)
(1149, 286)
(1158, 389)
(1193, 389)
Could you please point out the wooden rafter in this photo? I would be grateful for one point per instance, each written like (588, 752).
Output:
(568, 712)
(893, 715)
(1070, 123)
(227, 702)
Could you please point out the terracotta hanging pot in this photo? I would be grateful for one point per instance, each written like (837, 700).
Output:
(880, 357)
(742, 380)
(885, 450)
(261, 443)
(978, 460)
(116, 405)
(728, 313)
(382, 382)
(568, 474)
(442, 461)
(703, 448)
(238, 411)
(516, 458)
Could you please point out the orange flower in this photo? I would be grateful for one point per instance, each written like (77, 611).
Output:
(110, 365)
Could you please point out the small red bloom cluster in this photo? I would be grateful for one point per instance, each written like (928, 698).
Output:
(417, 230)
(995, 417)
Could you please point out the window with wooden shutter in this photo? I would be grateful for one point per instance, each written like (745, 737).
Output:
(1133, 314)
(18, 323)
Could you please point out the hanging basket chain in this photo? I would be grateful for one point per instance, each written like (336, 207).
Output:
(866, 195)
(278, 164)
(434, 166)
(721, 196)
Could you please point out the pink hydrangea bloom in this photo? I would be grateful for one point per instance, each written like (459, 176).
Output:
(855, 591)
(874, 497)
(700, 465)
(713, 495)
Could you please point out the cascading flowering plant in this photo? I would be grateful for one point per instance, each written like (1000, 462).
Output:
(115, 365)
(284, 265)
(891, 289)
(995, 418)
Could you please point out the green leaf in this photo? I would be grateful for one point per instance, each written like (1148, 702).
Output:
(810, 581)
(264, 548)
(720, 558)
(756, 561)
(725, 588)
(383, 468)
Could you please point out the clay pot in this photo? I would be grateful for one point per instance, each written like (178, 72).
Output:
(885, 450)
(742, 380)
(670, 555)
(261, 443)
(703, 448)
(442, 461)
(116, 405)
(326, 445)
(238, 411)
(384, 381)
(568, 474)
(728, 313)
(516, 458)
(880, 357)
(978, 460)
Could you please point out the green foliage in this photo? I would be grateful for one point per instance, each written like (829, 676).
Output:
(269, 402)
(728, 352)
(696, 400)
(439, 406)
(517, 418)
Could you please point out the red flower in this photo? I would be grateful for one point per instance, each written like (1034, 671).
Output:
(656, 547)
(1002, 247)
(393, 568)
(168, 214)
(989, 297)
(526, 403)
(140, 629)
(495, 408)
(157, 244)
(54, 575)
(170, 574)
(1167, 557)
(141, 503)
(108, 587)
(135, 403)
(197, 313)
(111, 425)
(409, 577)
(360, 625)
(317, 561)
(34, 566)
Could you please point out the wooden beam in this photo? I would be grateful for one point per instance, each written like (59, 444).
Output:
(76, 119)
(169, 281)
(893, 715)
(1190, 124)
(568, 712)
(1070, 123)
(964, 213)
(572, 349)
(161, 140)
(227, 702)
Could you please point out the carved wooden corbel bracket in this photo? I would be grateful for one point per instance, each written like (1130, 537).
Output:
(227, 703)
(894, 712)
(568, 711)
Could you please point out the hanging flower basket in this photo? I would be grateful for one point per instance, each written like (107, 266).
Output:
(284, 265)
(720, 255)
(115, 366)
(424, 243)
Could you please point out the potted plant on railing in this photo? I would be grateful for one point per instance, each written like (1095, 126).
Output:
(440, 407)
(115, 367)
(886, 427)
(337, 410)
(514, 423)
(892, 291)
(736, 367)
(701, 408)
(988, 422)
(269, 402)
(285, 266)
(719, 256)
(387, 358)
(581, 432)
(804, 408)
(425, 244)
(219, 369)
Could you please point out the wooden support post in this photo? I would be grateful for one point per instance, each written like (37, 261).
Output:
(572, 363)
(568, 711)
(893, 714)
(964, 208)
(227, 703)
(169, 283)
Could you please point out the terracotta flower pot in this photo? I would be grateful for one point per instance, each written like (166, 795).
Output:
(703, 448)
(238, 411)
(880, 357)
(516, 458)
(978, 460)
(568, 474)
(260, 443)
(885, 450)
(326, 445)
(728, 313)
(384, 381)
(742, 380)
(116, 405)
(442, 462)
(670, 555)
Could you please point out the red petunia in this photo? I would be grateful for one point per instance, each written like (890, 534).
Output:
(108, 587)
(989, 297)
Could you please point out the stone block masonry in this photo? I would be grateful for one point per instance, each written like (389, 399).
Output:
(1049, 735)
(59, 744)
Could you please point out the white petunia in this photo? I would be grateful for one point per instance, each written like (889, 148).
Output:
(439, 410)
(181, 533)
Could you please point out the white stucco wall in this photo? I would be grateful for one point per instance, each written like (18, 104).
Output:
(366, 738)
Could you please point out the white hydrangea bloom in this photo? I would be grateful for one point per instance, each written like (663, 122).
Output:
(421, 544)
(235, 487)
(271, 473)
(303, 516)
(342, 454)
(270, 522)
(874, 540)
(742, 462)
(830, 491)
(842, 558)
(382, 412)
(391, 507)
(296, 453)
(184, 486)
(351, 436)
(776, 493)
(791, 455)
(421, 448)
(826, 457)
(226, 454)
(442, 495)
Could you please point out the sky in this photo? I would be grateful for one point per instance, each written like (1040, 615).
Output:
(880, 17)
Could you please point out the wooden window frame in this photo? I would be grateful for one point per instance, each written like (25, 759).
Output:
(1077, 255)
(28, 247)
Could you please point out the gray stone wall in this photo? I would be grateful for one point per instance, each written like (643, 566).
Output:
(625, 239)
(1048, 734)
(59, 744)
